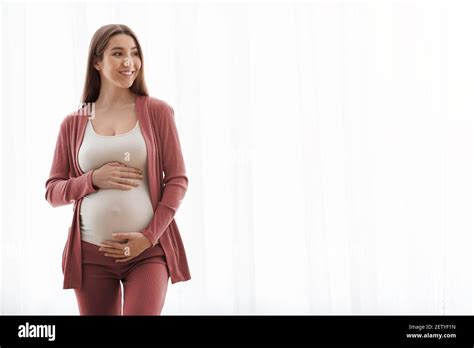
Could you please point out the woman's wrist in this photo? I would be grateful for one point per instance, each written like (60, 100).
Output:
(92, 180)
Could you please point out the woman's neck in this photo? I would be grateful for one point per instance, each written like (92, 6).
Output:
(114, 98)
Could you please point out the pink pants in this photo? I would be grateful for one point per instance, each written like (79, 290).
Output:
(144, 278)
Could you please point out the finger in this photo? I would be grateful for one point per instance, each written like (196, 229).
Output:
(117, 177)
(116, 164)
(132, 175)
(113, 245)
(120, 176)
(121, 186)
(126, 168)
(126, 182)
(123, 235)
(112, 251)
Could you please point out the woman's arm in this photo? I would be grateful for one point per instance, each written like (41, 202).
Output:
(175, 179)
(61, 189)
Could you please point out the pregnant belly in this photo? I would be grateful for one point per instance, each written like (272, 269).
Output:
(112, 210)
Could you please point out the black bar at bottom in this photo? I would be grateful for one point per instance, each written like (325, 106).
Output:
(208, 330)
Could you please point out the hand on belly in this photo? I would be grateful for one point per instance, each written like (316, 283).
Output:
(109, 211)
(116, 175)
(131, 245)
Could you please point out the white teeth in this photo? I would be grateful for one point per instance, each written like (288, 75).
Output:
(126, 73)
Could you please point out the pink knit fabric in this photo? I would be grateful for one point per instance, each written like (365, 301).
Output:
(68, 184)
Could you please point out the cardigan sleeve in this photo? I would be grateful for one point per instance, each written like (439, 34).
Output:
(175, 179)
(61, 188)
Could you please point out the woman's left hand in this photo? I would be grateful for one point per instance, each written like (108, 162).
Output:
(136, 243)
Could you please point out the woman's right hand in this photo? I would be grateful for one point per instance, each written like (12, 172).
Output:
(116, 175)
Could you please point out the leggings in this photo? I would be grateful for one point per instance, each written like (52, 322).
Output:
(144, 278)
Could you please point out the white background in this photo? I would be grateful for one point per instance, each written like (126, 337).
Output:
(328, 145)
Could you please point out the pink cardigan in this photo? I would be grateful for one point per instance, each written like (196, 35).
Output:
(68, 184)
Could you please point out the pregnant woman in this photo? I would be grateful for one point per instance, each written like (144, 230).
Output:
(109, 161)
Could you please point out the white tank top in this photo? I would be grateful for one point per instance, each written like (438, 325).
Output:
(114, 210)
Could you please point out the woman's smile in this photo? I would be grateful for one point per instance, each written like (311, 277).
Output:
(127, 73)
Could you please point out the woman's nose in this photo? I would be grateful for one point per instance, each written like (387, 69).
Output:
(127, 62)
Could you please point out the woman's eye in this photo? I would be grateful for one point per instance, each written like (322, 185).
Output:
(118, 53)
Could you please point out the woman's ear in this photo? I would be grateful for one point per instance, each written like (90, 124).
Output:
(96, 65)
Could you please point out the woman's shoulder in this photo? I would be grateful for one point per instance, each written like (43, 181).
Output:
(161, 111)
(159, 106)
(75, 117)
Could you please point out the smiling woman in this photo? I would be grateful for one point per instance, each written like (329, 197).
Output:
(114, 54)
(111, 166)
(120, 61)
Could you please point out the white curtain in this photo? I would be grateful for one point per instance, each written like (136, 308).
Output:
(328, 145)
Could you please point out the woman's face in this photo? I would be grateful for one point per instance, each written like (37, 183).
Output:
(121, 62)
